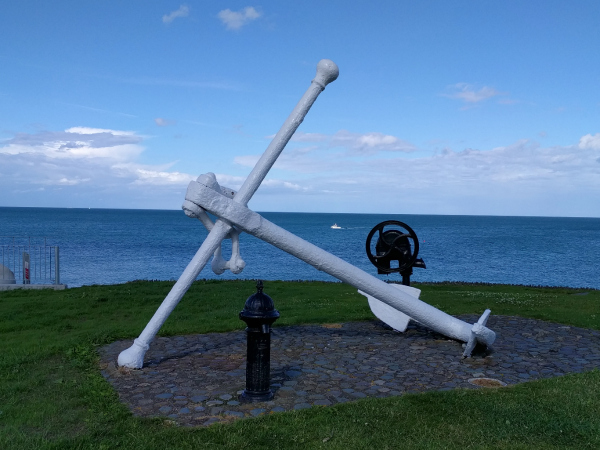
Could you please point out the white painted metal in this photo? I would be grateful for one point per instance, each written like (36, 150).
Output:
(256, 225)
(205, 194)
(6, 275)
(133, 357)
(479, 333)
(388, 315)
(236, 264)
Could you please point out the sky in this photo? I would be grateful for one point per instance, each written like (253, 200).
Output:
(463, 107)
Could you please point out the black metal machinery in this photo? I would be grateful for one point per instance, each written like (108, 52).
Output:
(259, 313)
(401, 245)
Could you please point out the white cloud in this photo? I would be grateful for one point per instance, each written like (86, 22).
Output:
(525, 165)
(88, 130)
(300, 136)
(81, 156)
(522, 178)
(590, 142)
(77, 143)
(369, 143)
(275, 186)
(183, 11)
(90, 165)
(160, 178)
(356, 144)
(292, 160)
(73, 181)
(86, 164)
(470, 94)
(163, 122)
(249, 160)
(234, 20)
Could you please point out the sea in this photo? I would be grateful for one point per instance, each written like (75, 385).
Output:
(110, 246)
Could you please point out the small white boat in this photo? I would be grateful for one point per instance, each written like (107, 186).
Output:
(335, 226)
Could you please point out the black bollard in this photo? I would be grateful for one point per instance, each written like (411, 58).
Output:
(259, 313)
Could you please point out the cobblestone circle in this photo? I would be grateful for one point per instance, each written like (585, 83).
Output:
(196, 380)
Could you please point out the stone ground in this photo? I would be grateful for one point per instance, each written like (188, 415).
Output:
(196, 380)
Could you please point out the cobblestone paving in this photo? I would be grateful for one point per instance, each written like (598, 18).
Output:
(195, 380)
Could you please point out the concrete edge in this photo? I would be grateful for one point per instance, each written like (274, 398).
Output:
(10, 287)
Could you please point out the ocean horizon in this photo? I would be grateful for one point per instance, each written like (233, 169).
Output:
(110, 246)
(293, 212)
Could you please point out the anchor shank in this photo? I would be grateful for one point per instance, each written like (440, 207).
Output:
(256, 225)
(346, 272)
(327, 72)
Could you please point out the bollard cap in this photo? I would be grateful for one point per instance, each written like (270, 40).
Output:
(259, 306)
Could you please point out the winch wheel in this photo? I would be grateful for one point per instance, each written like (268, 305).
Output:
(407, 233)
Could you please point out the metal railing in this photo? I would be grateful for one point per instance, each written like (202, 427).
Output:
(30, 259)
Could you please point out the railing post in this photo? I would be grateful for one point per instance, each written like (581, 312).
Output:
(56, 266)
(26, 274)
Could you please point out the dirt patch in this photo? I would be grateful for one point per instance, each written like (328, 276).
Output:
(487, 382)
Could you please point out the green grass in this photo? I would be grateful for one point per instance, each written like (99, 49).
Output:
(52, 395)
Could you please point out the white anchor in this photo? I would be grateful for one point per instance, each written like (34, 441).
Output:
(236, 264)
(234, 216)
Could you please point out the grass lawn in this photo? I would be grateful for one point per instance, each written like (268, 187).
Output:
(53, 396)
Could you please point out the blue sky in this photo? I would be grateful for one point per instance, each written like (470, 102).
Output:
(462, 107)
